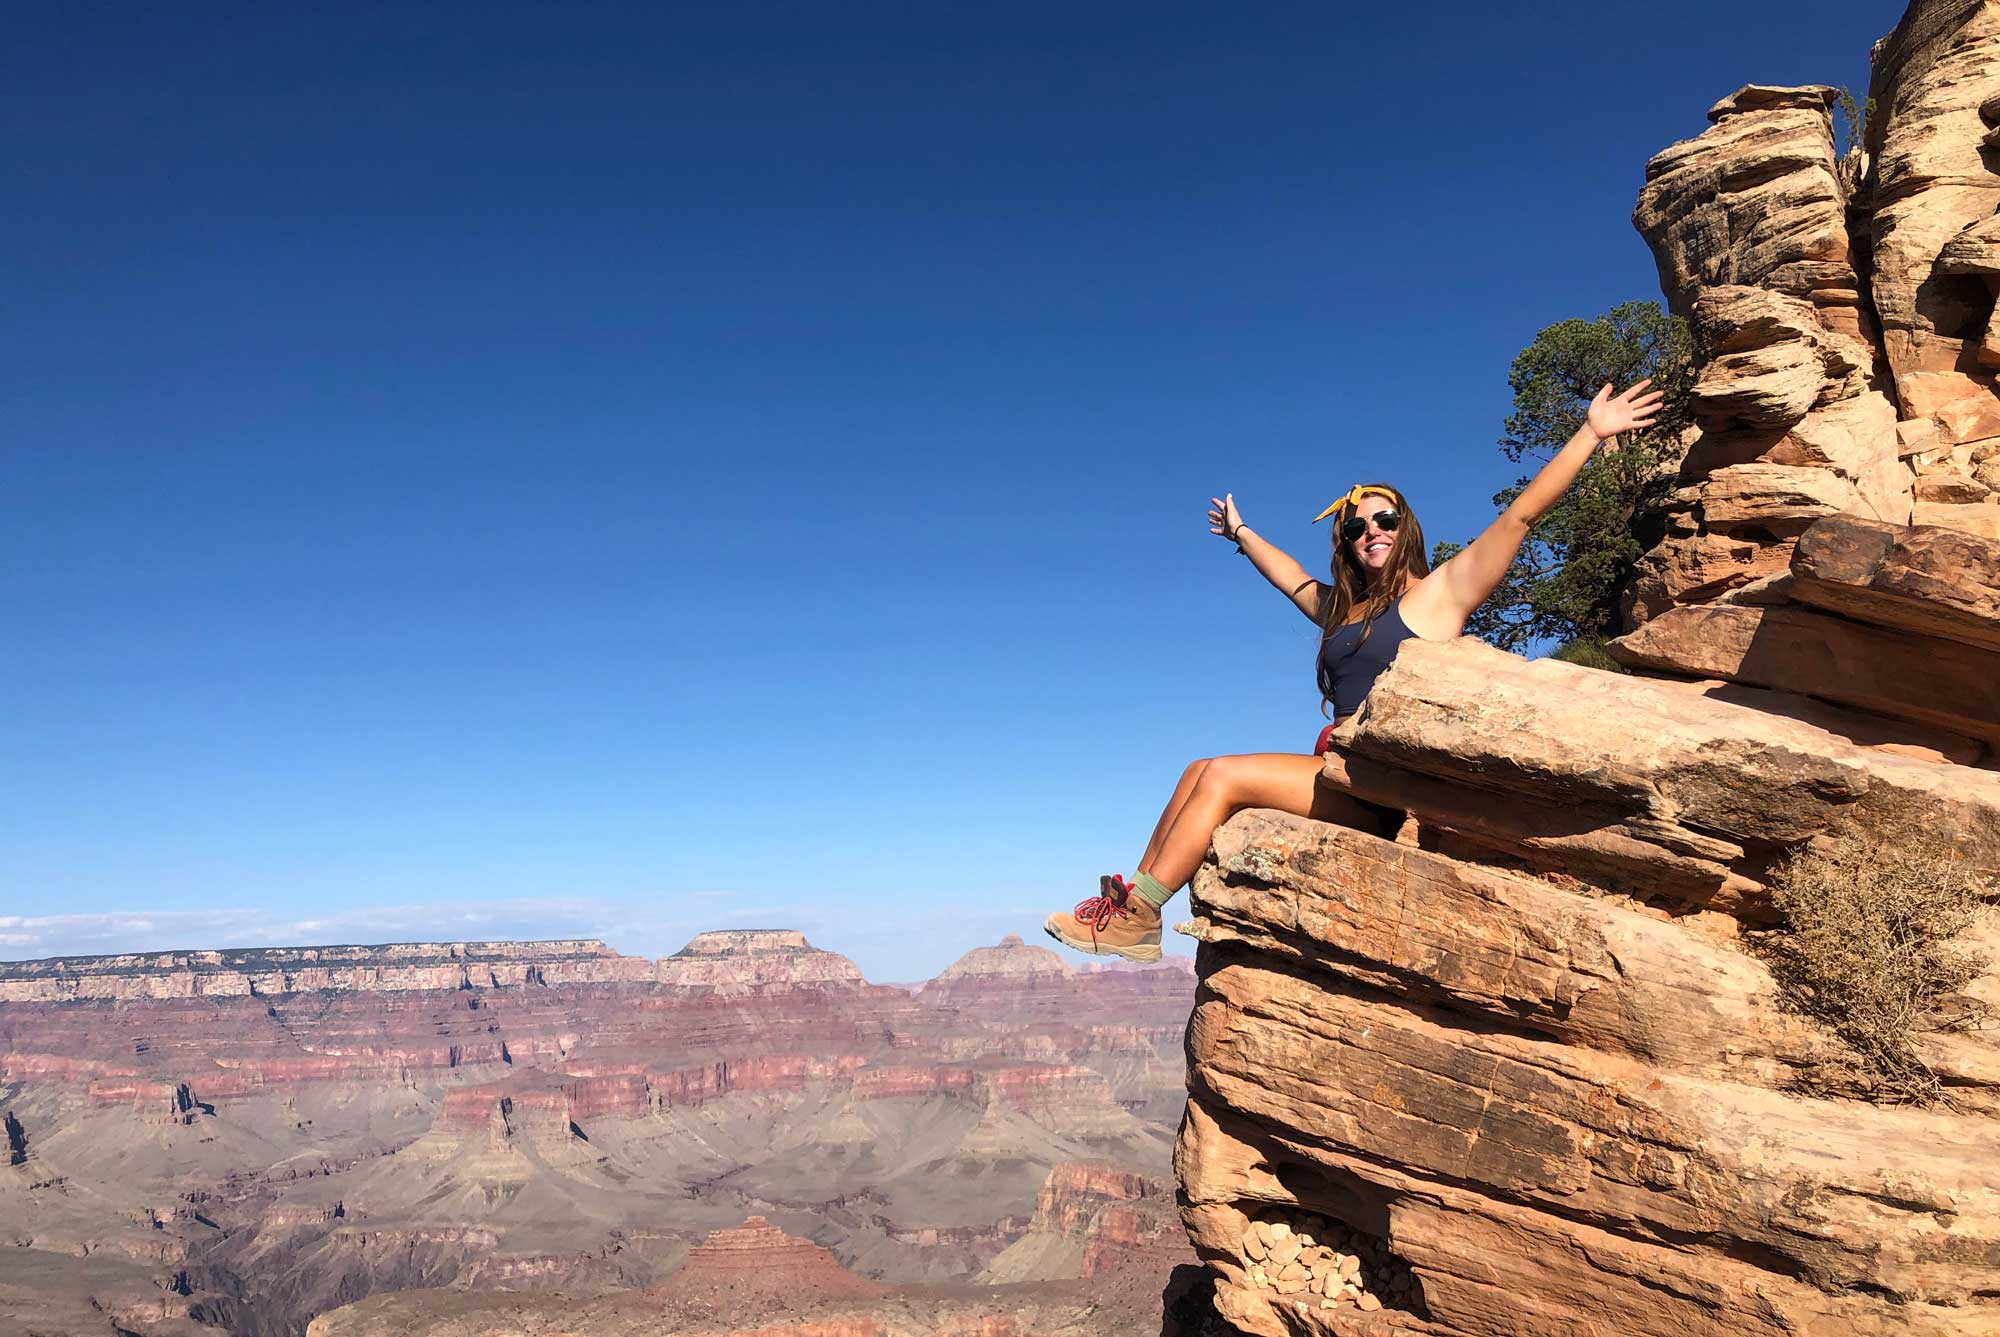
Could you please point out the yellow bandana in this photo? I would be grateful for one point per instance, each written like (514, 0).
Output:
(1353, 498)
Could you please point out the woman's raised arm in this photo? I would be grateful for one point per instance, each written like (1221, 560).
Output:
(1450, 593)
(1272, 562)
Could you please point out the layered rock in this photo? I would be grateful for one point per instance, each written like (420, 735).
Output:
(271, 971)
(1841, 309)
(1928, 581)
(745, 1268)
(288, 1151)
(1891, 627)
(1527, 1078)
(1010, 959)
(1091, 1218)
(755, 959)
(1931, 196)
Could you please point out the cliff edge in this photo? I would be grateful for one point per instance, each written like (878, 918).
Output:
(1542, 1073)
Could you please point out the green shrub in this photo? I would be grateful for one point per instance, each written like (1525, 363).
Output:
(1588, 651)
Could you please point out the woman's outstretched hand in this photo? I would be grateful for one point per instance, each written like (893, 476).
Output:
(1612, 414)
(1222, 516)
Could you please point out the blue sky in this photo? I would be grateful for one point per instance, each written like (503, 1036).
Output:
(504, 471)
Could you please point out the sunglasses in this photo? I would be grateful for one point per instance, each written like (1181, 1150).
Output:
(1354, 526)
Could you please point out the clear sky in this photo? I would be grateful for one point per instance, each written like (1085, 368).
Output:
(518, 471)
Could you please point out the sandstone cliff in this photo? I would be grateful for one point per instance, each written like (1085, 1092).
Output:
(1533, 1066)
(1842, 309)
(1532, 1077)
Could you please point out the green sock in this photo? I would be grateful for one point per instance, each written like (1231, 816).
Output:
(1156, 892)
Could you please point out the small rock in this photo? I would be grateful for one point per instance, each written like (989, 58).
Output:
(1280, 1230)
(1369, 1304)
(1284, 1251)
(1253, 1247)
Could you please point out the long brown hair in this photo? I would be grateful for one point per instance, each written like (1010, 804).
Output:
(1348, 585)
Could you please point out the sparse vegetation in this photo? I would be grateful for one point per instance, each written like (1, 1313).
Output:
(1589, 652)
(1850, 121)
(1870, 950)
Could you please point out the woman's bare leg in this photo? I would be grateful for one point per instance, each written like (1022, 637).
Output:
(1227, 785)
(1189, 777)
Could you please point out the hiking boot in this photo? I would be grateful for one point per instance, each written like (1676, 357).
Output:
(1118, 921)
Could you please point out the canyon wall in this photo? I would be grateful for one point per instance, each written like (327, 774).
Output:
(241, 1140)
(1531, 1076)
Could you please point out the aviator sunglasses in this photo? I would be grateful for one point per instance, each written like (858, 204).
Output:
(1354, 526)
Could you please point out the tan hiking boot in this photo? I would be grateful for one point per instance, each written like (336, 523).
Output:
(1118, 921)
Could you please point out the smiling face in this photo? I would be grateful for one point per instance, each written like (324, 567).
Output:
(1372, 548)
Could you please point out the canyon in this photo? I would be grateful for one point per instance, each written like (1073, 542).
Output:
(239, 1141)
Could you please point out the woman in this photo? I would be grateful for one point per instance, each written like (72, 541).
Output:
(1381, 593)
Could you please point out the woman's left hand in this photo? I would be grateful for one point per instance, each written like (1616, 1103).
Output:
(1612, 414)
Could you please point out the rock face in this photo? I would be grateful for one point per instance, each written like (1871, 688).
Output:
(1526, 1078)
(753, 959)
(268, 971)
(747, 1268)
(1842, 309)
(1010, 959)
(1091, 1218)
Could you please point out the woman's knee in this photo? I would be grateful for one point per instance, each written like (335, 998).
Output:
(1220, 774)
(1192, 775)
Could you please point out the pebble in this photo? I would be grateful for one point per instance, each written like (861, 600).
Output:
(1309, 1255)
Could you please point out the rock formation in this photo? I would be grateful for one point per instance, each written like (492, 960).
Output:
(1091, 1218)
(1841, 309)
(753, 959)
(245, 1139)
(269, 971)
(1532, 1065)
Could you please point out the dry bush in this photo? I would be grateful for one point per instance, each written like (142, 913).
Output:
(1869, 949)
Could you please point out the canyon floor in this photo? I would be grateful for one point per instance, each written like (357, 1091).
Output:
(240, 1142)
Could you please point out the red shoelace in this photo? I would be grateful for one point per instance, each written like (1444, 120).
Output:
(1099, 910)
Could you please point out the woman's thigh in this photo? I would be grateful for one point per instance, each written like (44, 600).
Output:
(1290, 783)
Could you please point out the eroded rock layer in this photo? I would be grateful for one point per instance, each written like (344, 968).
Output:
(1841, 306)
(328, 1123)
(1527, 1076)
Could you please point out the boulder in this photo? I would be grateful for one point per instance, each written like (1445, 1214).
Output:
(1978, 518)
(1925, 580)
(1768, 360)
(1777, 499)
(1574, 769)
(1756, 195)
(1692, 567)
(1942, 683)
